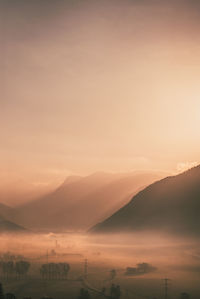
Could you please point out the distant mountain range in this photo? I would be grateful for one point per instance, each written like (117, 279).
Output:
(171, 204)
(6, 225)
(80, 202)
(6, 211)
(18, 191)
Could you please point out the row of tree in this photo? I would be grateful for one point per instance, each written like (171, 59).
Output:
(19, 269)
(11, 269)
(55, 271)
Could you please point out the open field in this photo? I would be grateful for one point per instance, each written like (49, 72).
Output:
(92, 259)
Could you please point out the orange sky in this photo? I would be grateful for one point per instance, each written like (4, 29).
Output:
(98, 85)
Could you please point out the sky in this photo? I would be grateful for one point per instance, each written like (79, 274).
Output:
(98, 86)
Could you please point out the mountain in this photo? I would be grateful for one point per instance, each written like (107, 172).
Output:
(6, 211)
(71, 179)
(171, 204)
(7, 220)
(9, 227)
(82, 201)
(19, 191)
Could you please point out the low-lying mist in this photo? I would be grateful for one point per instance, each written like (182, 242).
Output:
(132, 260)
(167, 253)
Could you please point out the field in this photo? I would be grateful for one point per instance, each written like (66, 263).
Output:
(97, 262)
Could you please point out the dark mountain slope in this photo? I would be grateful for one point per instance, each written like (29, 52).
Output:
(172, 204)
(6, 211)
(10, 227)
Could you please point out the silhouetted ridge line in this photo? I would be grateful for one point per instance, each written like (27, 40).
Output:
(171, 205)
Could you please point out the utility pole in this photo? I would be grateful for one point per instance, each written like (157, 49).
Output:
(47, 256)
(166, 287)
(85, 268)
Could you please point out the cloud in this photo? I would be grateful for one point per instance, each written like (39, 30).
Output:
(182, 166)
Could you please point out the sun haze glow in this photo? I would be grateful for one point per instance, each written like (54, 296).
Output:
(98, 85)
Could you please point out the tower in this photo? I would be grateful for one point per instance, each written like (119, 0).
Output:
(166, 288)
(85, 268)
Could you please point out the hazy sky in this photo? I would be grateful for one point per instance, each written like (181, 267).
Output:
(98, 85)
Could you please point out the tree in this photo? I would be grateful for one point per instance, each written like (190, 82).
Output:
(1, 292)
(22, 268)
(55, 270)
(184, 296)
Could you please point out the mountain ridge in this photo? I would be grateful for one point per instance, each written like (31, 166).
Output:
(7, 226)
(170, 204)
(82, 203)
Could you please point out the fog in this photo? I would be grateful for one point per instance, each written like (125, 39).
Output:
(175, 258)
(95, 85)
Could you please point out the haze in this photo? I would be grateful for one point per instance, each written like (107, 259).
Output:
(98, 85)
(175, 258)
